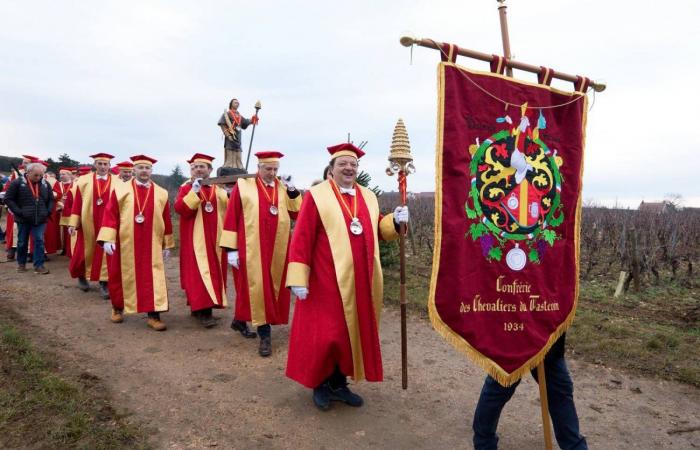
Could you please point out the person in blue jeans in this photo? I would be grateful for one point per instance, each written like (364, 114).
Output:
(30, 199)
(560, 398)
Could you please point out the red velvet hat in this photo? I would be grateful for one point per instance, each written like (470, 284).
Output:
(101, 157)
(345, 149)
(143, 159)
(201, 157)
(42, 162)
(268, 156)
(82, 170)
(31, 158)
(125, 165)
(66, 169)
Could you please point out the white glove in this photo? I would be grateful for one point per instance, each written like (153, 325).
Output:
(401, 214)
(196, 185)
(166, 254)
(109, 248)
(300, 292)
(288, 181)
(233, 258)
(71, 231)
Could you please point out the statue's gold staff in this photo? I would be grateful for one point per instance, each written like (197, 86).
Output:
(401, 163)
(258, 106)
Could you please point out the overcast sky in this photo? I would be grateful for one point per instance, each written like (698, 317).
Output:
(153, 77)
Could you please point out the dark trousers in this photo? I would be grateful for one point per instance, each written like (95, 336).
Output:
(560, 396)
(264, 330)
(37, 232)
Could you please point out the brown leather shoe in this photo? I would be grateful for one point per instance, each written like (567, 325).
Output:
(117, 316)
(41, 270)
(21, 268)
(156, 324)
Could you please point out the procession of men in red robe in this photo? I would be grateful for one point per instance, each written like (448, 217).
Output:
(115, 226)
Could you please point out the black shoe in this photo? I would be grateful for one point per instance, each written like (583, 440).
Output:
(322, 397)
(242, 327)
(265, 348)
(206, 321)
(11, 254)
(83, 284)
(104, 292)
(345, 395)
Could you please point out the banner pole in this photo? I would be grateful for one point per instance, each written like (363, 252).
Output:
(546, 425)
(541, 381)
(504, 34)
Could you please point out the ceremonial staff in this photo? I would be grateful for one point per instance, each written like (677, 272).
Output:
(258, 106)
(401, 163)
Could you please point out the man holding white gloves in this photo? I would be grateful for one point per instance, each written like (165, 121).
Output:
(137, 236)
(256, 237)
(202, 262)
(335, 272)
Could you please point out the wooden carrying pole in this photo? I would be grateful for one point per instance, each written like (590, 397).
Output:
(541, 380)
(544, 406)
(401, 163)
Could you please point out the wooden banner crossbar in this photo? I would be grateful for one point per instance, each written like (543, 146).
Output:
(408, 41)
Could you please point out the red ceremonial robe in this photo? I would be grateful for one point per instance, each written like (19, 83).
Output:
(184, 248)
(62, 191)
(88, 260)
(65, 220)
(136, 270)
(262, 241)
(52, 232)
(10, 228)
(202, 263)
(338, 322)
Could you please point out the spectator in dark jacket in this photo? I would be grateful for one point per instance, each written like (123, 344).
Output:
(30, 199)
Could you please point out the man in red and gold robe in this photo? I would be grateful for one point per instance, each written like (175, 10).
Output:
(68, 208)
(256, 238)
(92, 191)
(10, 228)
(52, 232)
(137, 234)
(62, 189)
(125, 171)
(202, 263)
(335, 272)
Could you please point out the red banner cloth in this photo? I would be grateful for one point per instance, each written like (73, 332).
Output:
(508, 202)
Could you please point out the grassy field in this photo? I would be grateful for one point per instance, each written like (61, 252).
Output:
(40, 407)
(653, 333)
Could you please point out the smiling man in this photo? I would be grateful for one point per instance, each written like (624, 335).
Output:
(334, 271)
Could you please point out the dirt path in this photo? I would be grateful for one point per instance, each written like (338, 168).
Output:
(199, 388)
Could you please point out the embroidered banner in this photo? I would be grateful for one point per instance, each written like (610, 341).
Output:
(507, 211)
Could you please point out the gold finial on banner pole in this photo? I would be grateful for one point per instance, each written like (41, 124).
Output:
(401, 163)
